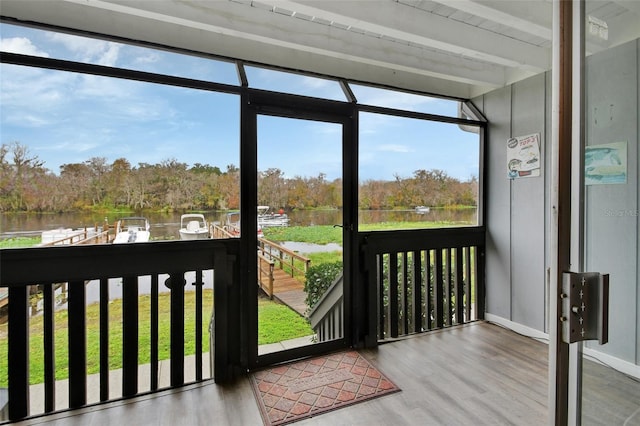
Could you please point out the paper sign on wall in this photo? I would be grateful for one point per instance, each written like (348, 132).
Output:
(523, 156)
(605, 164)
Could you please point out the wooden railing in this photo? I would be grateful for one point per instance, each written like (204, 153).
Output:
(285, 259)
(171, 264)
(326, 317)
(217, 231)
(94, 235)
(425, 279)
(265, 273)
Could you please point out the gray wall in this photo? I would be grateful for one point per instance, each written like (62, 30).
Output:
(516, 285)
(518, 210)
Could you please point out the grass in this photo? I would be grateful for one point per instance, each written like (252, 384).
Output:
(325, 234)
(319, 234)
(19, 242)
(277, 323)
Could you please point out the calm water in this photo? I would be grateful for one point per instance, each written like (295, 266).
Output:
(165, 226)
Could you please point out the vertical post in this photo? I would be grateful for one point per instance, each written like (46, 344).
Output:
(18, 352)
(198, 283)
(479, 273)
(155, 318)
(577, 191)
(77, 344)
(49, 348)
(562, 171)
(177, 328)
(129, 336)
(271, 279)
(104, 339)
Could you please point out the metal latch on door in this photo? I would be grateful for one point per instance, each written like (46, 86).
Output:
(585, 307)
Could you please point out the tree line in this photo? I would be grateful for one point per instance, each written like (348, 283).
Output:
(27, 185)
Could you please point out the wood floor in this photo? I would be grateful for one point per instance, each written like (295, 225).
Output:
(478, 374)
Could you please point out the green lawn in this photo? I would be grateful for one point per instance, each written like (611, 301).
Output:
(278, 323)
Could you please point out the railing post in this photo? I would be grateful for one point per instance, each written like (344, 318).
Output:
(104, 339)
(49, 348)
(271, 280)
(198, 283)
(77, 303)
(129, 336)
(177, 328)
(479, 262)
(18, 352)
(154, 330)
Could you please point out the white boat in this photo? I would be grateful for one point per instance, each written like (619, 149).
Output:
(422, 209)
(132, 230)
(267, 218)
(232, 225)
(193, 226)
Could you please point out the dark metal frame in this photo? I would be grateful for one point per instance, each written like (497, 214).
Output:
(260, 102)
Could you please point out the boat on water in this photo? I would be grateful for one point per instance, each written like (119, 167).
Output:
(232, 225)
(422, 209)
(266, 218)
(132, 230)
(193, 226)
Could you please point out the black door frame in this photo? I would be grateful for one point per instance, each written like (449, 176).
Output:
(255, 103)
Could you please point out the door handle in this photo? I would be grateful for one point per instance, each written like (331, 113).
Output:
(349, 227)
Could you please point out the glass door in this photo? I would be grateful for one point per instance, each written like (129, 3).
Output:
(300, 229)
(610, 372)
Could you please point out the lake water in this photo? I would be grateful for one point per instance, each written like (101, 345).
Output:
(165, 226)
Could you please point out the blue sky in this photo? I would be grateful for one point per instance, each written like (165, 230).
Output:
(69, 118)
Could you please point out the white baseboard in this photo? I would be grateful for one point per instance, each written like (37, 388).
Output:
(518, 328)
(616, 363)
(623, 366)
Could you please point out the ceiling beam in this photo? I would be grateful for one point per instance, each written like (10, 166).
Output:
(411, 24)
(519, 15)
(187, 35)
(250, 25)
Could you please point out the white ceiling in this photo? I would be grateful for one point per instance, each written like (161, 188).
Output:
(458, 48)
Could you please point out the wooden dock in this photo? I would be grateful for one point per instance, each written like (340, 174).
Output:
(289, 291)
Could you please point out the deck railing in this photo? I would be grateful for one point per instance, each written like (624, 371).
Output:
(420, 280)
(168, 266)
(286, 259)
(265, 273)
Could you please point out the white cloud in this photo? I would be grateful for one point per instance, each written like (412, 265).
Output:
(394, 148)
(21, 45)
(89, 50)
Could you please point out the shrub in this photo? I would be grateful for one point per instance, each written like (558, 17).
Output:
(318, 280)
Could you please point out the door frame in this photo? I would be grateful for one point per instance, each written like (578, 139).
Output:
(567, 199)
(253, 104)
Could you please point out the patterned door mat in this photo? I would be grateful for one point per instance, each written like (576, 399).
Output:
(307, 388)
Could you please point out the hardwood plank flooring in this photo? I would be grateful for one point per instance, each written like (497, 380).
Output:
(478, 374)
